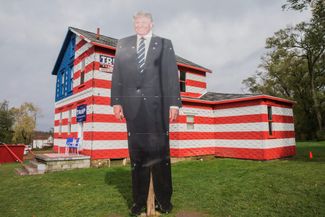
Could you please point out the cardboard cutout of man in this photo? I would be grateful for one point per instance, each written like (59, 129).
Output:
(145, 90)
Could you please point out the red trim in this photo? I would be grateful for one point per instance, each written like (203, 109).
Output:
(103, 45)
(252, 98)
(193, 67)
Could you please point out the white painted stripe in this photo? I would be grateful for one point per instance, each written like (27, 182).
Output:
(101, 109)
(258, 144)
(249, 110)
(195, 111)
(193, 89)
(89, 59)
(196, 77)
(105, 127)
(179, 144)
(281, 111)
(78, 39)
(84, 94)
(83, 48)
(97, 144)
(102, 75)
(245, 127)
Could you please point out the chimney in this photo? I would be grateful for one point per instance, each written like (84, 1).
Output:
(98, 33)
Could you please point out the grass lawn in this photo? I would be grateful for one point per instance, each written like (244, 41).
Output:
(216, 187)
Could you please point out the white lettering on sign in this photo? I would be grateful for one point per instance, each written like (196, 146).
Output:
(81, 111)
(106, 63)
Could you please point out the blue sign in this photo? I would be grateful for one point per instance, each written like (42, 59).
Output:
(81, 113)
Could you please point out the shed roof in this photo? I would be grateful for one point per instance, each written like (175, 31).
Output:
(212, 98)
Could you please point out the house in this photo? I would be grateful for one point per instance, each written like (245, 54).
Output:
(227, 125)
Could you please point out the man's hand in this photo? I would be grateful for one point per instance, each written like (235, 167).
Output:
(118, 112)
(173, 114)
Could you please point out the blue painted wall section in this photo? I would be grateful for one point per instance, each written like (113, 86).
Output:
(64, 80)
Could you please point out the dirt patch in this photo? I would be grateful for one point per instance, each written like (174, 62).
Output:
(190, 214)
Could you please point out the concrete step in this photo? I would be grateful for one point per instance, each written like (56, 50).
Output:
(31, 169)
(21, 171)
(41, 167)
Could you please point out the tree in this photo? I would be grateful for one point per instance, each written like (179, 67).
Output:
(25, 123)
(293, 68)
(6, 122)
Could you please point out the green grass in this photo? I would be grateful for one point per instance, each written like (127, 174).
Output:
(218, 187)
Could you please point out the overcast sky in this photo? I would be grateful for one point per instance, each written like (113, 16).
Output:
(227, 37)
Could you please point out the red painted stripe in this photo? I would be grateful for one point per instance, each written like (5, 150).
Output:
(80, 44)
(188, 152)
(98, 118)
(254, 135)
(194, 83)
(190, 94)
(85, 54)
(243, 153)
(107, 153)
(105, 135)
(256, 154)
(99, 100)
(110, 118)
(96, 83)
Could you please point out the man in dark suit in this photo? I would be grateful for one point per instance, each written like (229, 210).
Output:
(145, 89)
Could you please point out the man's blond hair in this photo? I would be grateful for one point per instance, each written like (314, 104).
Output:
(143, 14)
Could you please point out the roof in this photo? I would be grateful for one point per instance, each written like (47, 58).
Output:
(112, 42)
(212, 98)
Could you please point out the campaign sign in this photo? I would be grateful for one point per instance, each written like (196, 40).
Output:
(106, 63)
(81, 113)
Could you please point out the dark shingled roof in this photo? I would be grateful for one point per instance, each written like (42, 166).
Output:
(211, 96)
(113, 42)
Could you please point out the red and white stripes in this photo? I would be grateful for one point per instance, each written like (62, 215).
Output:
(240, 130)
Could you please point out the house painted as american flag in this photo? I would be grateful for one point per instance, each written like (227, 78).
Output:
(245, 126)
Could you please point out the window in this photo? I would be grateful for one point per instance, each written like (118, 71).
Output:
(190, 122)
(82, 74)
(182, 80)
(269, 117)
(69, 122)
(71, 77)
(60, 124)
(62, 83)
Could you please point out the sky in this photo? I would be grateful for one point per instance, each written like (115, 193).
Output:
(227, 37)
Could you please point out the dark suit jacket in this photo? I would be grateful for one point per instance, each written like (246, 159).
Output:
(157, 87)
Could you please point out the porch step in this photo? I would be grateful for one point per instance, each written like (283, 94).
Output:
(33, 168)
(21, 171)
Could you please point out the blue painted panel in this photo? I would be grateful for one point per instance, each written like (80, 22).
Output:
(64, 82)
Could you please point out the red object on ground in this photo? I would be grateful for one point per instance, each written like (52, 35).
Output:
(310, 155)
(7, 157)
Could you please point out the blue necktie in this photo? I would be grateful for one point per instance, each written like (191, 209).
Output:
(141, 55)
